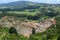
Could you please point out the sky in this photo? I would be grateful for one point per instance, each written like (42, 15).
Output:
(40, 1)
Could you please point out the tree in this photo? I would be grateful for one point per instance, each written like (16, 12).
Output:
(33, 31)
(58, 38)
(12, 30)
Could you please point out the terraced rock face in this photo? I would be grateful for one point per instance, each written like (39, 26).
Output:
(25, 28)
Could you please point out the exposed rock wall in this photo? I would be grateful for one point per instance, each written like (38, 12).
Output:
(25, 28)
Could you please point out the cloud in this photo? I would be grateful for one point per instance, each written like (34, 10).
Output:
(48, 1)
(40, 1)
(6, 1)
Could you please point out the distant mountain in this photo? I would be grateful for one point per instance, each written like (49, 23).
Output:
(23, 5)
(18, 4)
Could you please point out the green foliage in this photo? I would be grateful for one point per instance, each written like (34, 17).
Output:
(38, 36)
(5, 35)
(58, 38)
(14, 37)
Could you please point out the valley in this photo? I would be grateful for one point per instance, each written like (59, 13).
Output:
(24, 20)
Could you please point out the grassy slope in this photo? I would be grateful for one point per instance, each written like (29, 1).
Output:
(27, 13)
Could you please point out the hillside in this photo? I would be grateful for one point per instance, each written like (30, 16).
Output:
(52, 32)
(25, 28)
(19, 4)
(24, 20)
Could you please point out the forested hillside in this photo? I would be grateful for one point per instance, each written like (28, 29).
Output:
(24, 20)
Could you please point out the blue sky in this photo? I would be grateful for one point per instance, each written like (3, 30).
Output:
(40, 1)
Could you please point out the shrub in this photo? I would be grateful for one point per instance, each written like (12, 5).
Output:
(12, 30)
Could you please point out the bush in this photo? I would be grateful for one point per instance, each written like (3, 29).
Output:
(33, 31)
(58, 38)
(12, 30)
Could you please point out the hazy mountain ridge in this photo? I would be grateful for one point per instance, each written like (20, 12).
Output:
(23, 4)
(19, 4)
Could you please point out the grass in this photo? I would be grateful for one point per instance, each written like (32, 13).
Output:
(0, 12)
(27, 13)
